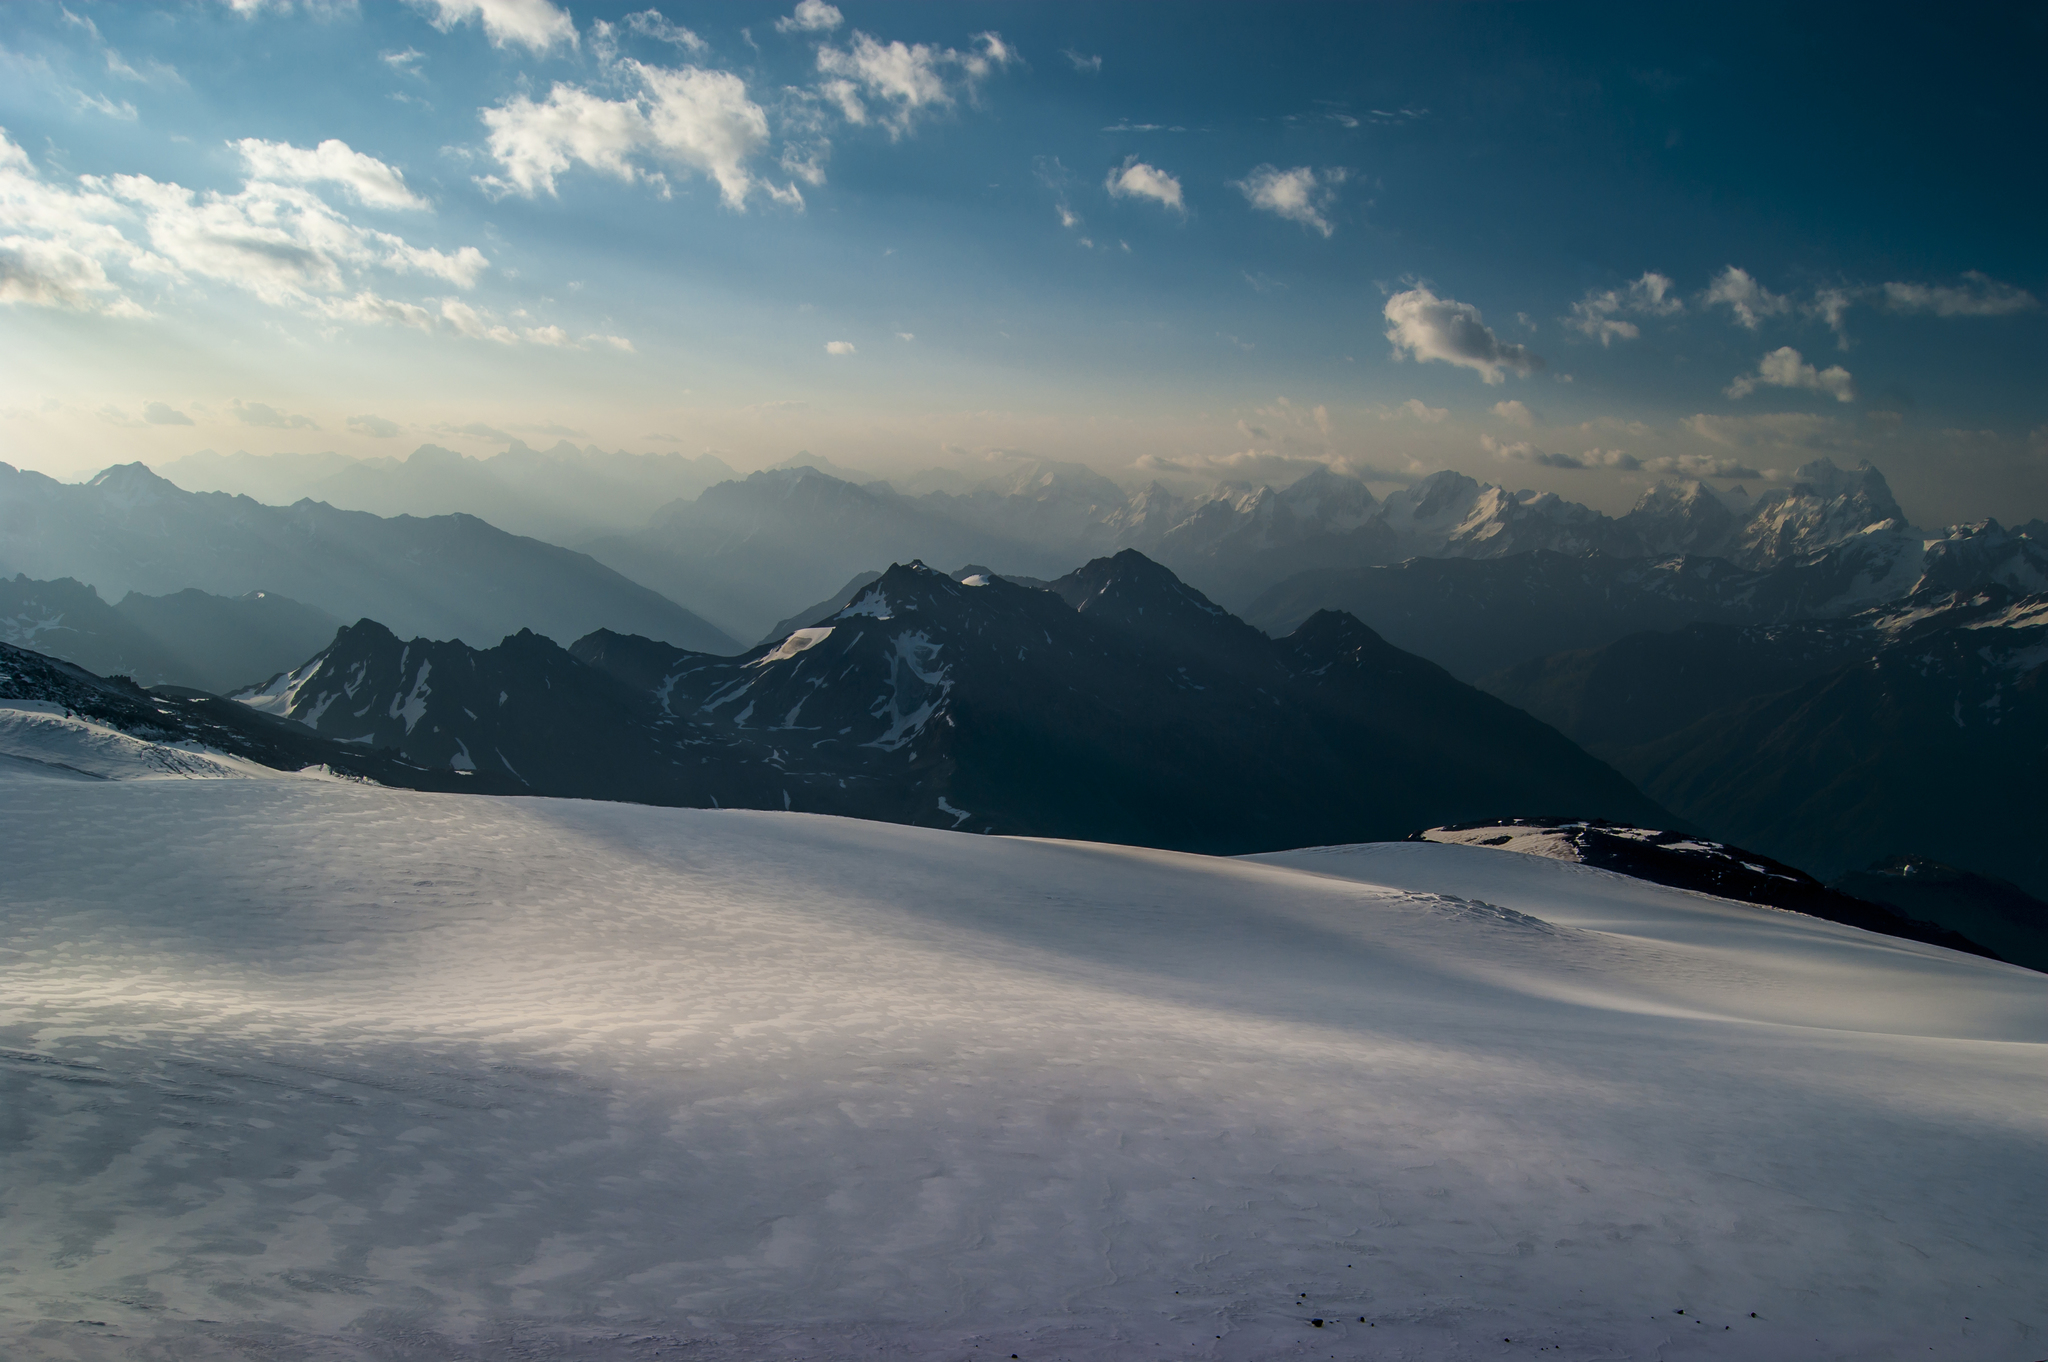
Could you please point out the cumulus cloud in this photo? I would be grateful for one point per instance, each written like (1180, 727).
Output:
(533, 24)
(1702, 466)
(686, 117)
(1782, 430)
(839, 348)
(1136, 179)
(1423, 412)
(263, 414)
(1514, 413)
(164, 414)
(374, 426)
(1524, 452)
(1979, 296)
(1784, 367)
(1600, 314)
(1271, 467)
(901, 79)
(368, 180)
(1427, 327)
(1299, 195)
(275, 238)
(467, 321)
(1748, 300)
(811, 16)
(652, 24)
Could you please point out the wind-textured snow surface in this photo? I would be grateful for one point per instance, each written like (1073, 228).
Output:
(314, 1070)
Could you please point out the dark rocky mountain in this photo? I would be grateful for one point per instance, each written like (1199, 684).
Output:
(188, 638)
(1927, 740)
(563, 494)
(1996, 912)
(175, 715)
(1119, 705)
(1478, 617)
(448, 576)
(1686, 862)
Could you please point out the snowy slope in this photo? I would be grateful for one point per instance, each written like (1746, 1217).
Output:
(311, 1070)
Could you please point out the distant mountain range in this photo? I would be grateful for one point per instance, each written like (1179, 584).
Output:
(1917, 727)
(747, 552)
(1480, 616)
(1119, 705)
(563, 494)
(188, 638)
(451, 576)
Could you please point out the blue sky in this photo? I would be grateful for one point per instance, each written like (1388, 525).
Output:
(1576, 248)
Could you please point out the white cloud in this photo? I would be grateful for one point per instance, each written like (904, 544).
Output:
(1432, 328)
(122, 111)
(1514, 413)
(619, 343)
(1981, 296)
(811, 16)
(370, 181)
(374, 426)
(278, 241)
(164, 414)
(1702, 466)
(1600, 313)
(263, 414)
(1786, 368)
(1087, 65)
(1136, 179)
(1831, 305)
(1298, 195)
(1522, 451)
(533, 24)
(839, 348)
(906, 336)
(407, 61)
(1423, 412)
(901, 78)
(467, 321)
(652, 24)
(368, 309)
(686, 116)
(1750, 301)
(1789, 430)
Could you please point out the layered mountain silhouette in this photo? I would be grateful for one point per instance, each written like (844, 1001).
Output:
(563, 494)
(1478, 616)
(187, 638)
(1916, 728)
(451, 576)
(1119, 705)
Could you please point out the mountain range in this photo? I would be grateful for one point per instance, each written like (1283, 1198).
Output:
(1117, 705)
(563, 494)
(187, 638)
(449, 576)
(1916, 727)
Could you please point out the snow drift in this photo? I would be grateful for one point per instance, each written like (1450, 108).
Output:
(312, 1069)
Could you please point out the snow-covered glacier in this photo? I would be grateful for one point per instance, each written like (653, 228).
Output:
(312, 1069)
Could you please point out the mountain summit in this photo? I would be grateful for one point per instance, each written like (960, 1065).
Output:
(1121, 705)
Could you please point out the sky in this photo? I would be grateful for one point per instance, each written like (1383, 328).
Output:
(1574, 248)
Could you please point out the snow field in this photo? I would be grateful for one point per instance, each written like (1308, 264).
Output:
(310, 1069)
